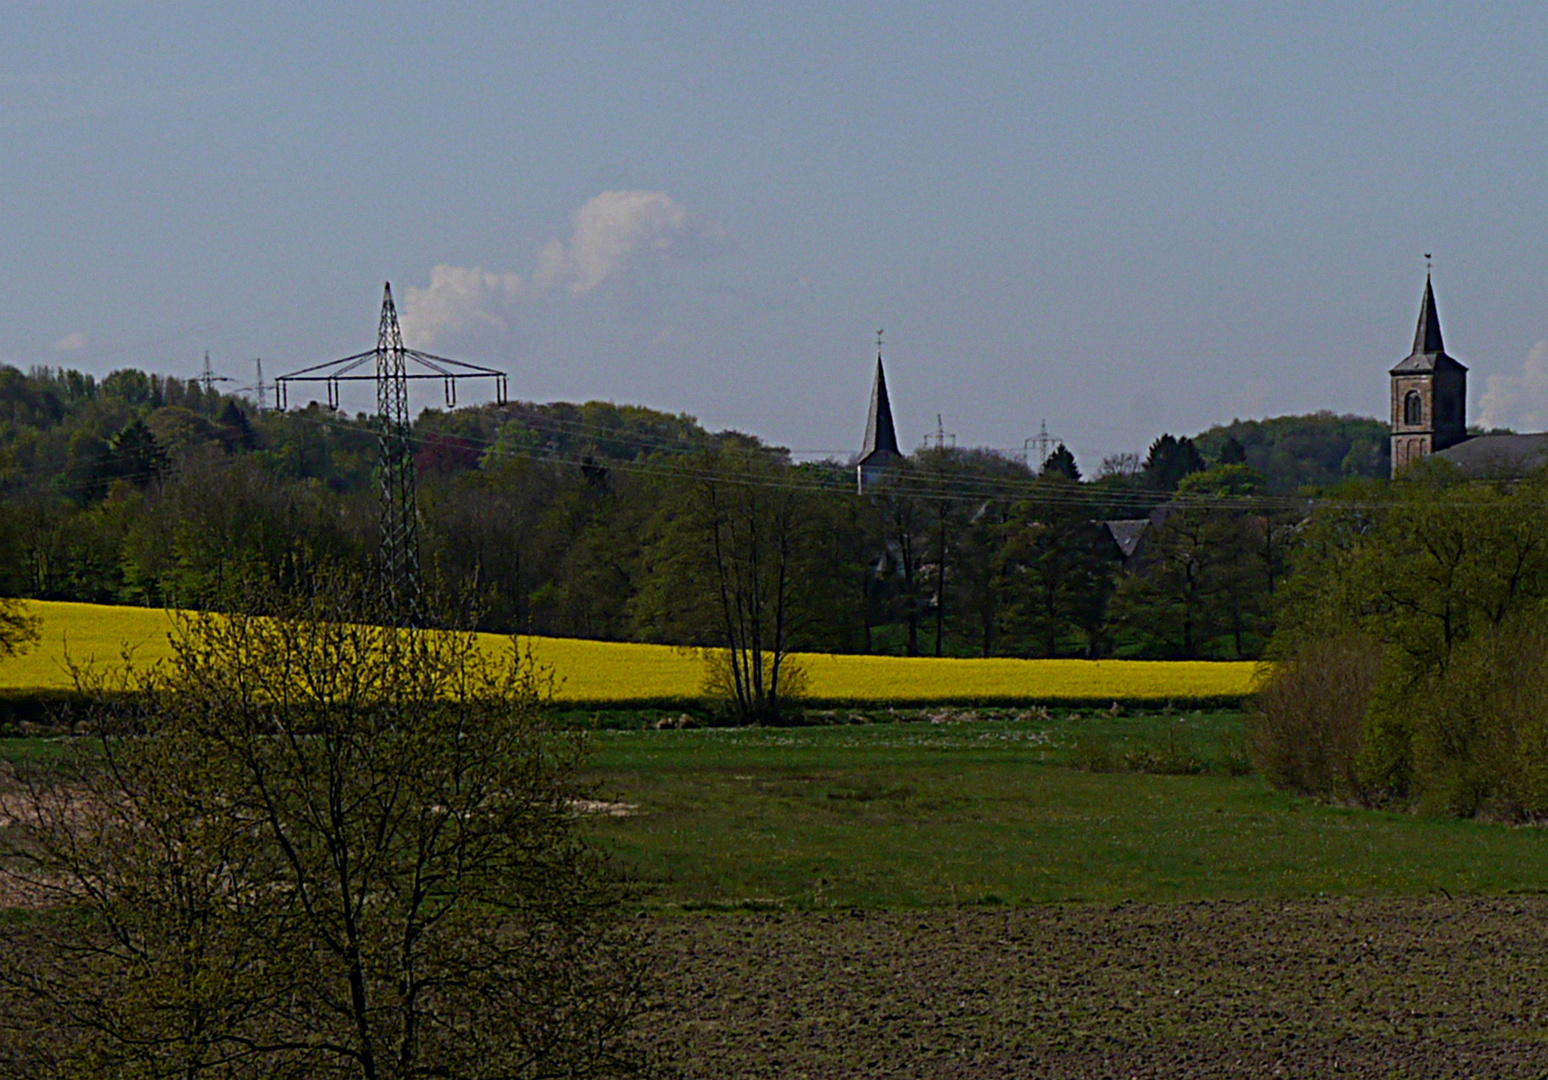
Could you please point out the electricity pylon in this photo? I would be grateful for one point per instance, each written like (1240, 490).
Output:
(395, 466)
(399, 553)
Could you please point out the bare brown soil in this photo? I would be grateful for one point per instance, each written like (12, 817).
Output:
(1359, 988)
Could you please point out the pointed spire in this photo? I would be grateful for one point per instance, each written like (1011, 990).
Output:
(880, 436)
(1427, 335)
(1429, 353)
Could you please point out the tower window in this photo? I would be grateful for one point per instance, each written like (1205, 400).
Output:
(1413, 409)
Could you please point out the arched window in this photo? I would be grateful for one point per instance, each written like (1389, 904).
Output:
(1413, 408)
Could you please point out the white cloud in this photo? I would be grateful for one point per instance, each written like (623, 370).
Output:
(73, 342)
(615, 227)
(1520, 401)
(459, 299)
(611, 232)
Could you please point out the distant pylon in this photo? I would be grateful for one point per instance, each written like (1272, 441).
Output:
(208, 376)
(400, 509)
(1045, 443)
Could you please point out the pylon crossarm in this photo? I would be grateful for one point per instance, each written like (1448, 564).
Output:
(443, 364)
(344, 364)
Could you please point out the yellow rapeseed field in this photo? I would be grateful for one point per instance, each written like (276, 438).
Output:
(601, 671)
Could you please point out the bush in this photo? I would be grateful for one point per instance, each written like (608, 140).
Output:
(315, 845)
(19, 631)
(1308, 730)
(1480, 728)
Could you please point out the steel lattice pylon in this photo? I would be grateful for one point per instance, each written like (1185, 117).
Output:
(399, 557)
(400, 509)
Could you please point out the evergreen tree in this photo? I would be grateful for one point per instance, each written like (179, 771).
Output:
(1062, 462)
(1169, 460)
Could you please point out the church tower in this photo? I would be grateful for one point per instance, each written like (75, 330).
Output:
(1429, 393)
(879, 453)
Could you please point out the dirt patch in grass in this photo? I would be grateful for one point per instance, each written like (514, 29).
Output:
(1376, 988)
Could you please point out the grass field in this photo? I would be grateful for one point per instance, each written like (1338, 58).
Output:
(992, 812)
(962, 899)
(603, 672)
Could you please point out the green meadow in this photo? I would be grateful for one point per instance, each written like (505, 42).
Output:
(999, 808)
(1014, 810)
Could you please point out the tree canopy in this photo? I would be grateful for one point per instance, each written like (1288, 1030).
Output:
(151, 490)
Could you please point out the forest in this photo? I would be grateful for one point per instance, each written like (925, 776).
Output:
(605, 521)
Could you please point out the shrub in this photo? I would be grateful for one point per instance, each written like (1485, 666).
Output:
(314, 845)
(1308, 729)
(1480, 727)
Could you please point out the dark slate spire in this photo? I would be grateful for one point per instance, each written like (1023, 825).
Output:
(880, 436)
(1429, 350)
(1427, 336)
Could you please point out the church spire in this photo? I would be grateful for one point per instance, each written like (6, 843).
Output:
(880, 451)
(1427, 335)
(880, 435)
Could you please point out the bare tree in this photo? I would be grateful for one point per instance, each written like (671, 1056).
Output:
(317, 847)
(730, 566)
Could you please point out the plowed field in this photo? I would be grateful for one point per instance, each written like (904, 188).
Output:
(1360, 988)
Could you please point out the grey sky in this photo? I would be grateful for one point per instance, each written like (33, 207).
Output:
(1121, 218)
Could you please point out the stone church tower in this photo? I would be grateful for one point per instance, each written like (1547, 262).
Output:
(1429, 393)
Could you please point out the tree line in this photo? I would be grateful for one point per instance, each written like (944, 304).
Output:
(625, 523)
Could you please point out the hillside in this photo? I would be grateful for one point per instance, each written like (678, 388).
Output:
(1316, 450)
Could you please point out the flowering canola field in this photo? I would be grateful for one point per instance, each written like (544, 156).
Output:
(601, 671)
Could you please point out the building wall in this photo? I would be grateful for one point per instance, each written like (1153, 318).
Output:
(1442, 420)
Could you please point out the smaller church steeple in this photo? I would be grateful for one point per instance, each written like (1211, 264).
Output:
(1429, 392)
(1427, 335)
(879, 452)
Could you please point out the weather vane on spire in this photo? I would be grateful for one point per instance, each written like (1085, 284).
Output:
(878, 344)
(1427, 264)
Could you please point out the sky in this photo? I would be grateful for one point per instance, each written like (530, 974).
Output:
(1115, 219)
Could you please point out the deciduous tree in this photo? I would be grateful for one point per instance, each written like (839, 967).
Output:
(316, 847)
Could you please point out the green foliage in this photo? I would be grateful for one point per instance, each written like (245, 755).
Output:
(134, 456)
(1202, 581)
(19, 631)
(1062, 461)
(1435, 561)
(1292, 452)
(315, 846)
(147, 489)
(1480, 726)
(1449, 579)
(1169, 460)
(1057, 569)
(1225, 479)
(1309, 726)
(732, 558)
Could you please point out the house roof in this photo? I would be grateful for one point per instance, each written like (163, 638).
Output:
(1498, 456)
(1127, 533)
